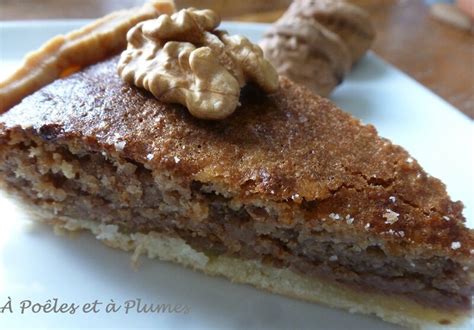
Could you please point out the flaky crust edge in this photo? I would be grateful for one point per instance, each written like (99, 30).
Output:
(154, 245)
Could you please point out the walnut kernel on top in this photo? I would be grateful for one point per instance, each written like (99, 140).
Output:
(184, 59)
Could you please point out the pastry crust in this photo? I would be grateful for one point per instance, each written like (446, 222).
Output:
(77, 49)
(393, 309)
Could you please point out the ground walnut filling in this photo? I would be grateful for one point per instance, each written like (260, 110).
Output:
(118, 191)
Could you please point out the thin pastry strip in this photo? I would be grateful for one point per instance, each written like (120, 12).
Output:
(90, 44)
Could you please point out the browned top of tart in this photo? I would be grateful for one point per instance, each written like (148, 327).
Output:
(291, 148)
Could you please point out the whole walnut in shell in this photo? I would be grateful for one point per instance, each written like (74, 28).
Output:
(310, 55)
(351, 23)
(316, 42)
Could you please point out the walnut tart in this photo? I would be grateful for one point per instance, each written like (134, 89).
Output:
(162, 135)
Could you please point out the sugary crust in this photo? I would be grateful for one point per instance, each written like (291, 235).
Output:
(90, 44)
(293, 150)
(390, 308)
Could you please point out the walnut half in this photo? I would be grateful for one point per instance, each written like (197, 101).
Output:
(183, 59)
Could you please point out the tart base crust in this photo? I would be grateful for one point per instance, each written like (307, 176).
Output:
(390, 308)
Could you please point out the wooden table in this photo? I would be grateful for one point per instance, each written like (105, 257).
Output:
(437, 55)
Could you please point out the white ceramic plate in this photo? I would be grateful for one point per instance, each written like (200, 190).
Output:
(37, 265)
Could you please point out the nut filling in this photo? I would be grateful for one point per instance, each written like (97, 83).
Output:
(116, 191)
(183, 59)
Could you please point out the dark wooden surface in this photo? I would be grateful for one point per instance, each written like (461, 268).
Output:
(437, 55)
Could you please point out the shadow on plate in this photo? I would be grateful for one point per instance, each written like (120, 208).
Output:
(369, 68)
(353, 101)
